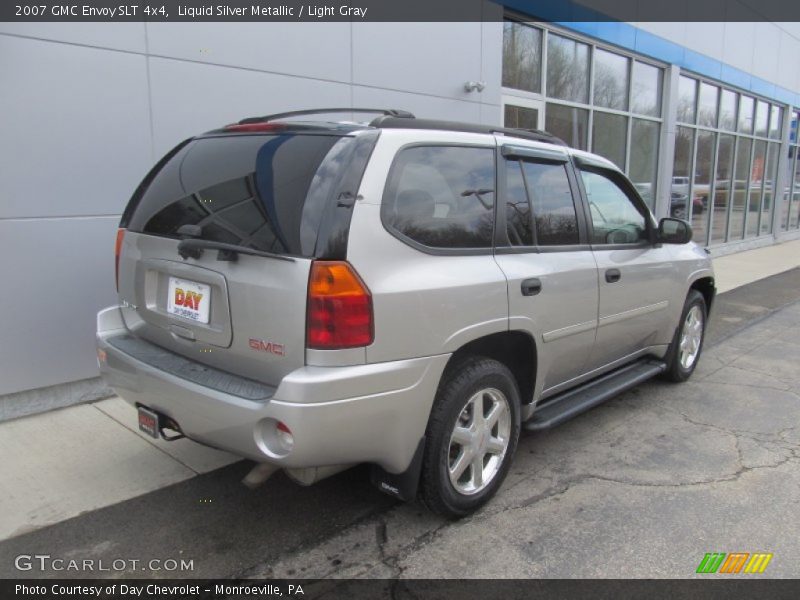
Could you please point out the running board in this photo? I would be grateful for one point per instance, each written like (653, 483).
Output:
(571, 403)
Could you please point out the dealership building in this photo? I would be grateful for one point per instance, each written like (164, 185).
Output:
(701, 116)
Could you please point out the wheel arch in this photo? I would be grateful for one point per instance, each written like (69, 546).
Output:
(707, 287)
(515, 349)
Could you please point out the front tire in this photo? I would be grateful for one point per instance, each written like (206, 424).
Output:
(684, 351)
(471, 437)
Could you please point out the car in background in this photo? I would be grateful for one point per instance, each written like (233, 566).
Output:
(679, 205)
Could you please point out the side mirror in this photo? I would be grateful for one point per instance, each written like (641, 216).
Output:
(674, 231)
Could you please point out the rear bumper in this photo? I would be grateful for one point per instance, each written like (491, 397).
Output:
(373, 413)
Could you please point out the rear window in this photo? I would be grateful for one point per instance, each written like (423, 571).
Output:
(442, 196)
(268, 192)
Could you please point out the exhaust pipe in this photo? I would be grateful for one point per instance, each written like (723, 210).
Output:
(259, 474)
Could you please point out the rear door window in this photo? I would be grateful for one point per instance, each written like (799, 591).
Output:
(268, 192)
(442, 196)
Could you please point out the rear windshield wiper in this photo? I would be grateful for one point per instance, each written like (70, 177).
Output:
(226, 252)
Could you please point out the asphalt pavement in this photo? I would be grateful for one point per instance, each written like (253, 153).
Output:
(642, 486)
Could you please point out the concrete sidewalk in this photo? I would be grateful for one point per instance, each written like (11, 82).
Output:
(60, 464)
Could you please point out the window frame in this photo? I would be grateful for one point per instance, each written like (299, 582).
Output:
(433, 250)
(627, 188)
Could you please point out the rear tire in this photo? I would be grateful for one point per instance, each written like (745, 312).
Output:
(684, 351)
(471, 437)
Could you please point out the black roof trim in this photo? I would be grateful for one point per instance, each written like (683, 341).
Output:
(393, 112)
(390, 122)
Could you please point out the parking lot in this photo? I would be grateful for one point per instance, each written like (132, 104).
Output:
(642, 486)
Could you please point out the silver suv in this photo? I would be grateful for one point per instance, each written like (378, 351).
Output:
(405, 293)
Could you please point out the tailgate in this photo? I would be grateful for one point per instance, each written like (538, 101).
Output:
(242, 313)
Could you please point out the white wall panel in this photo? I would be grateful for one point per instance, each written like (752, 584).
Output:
(672, 31)
(118, 36)
(320, 50)
(766, 52)
(739, 41)
(430, 58)
(76, 130)
(706, 38)
(492, 61)
(788, 69)
(190, 98)
(429, 107)
(56, 275)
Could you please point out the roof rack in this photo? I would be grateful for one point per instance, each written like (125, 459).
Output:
(390, 112)
(391, 122)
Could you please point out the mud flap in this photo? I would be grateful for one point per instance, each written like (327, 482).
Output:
(400, 485)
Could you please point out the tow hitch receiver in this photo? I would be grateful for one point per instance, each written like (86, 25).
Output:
(154, 424)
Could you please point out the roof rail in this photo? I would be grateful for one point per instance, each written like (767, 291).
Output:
(390, 112)
(390, 122)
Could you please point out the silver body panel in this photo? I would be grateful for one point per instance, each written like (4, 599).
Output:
(372, 404)
(253, 298)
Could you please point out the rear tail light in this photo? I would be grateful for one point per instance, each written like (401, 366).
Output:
(117, 250)
(339, 307)
(248, 127)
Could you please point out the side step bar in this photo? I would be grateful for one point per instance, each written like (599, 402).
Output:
(571, 403)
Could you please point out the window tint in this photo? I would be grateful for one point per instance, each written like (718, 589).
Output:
(567, 69)
(746, 105)
(553, 207)
(520, 116)
(646, 92)
(442, 196)
(568, 123)
(615, 219)
(610, 80)
(518, 209)
(687, 94)
(643, 167)
(707, 113)
(776, 122)
(269, 192)
(609, 134)
(727, 110)
(522, 56)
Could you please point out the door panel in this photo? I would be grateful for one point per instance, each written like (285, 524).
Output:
(634, 310)
(636, 277)
(551, 272)
(563, 312)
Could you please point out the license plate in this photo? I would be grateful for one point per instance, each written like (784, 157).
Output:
(148, 422)
(189, 299)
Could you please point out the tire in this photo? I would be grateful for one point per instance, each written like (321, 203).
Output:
(473, 382)
(681, 362)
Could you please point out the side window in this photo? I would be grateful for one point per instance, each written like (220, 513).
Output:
(553, 206)
(442, 196)
(615, 218)
(539, 206)
(518, 208)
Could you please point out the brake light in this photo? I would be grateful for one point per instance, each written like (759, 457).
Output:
(117, 250)
(339, 307)
(255, 127)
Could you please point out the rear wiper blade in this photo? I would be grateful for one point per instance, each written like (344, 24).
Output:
(227, 252)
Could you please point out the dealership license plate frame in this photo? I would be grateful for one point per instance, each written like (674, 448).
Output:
(202, 314)
(149, 422)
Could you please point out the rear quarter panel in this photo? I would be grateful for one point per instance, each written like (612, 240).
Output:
(424, 304)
